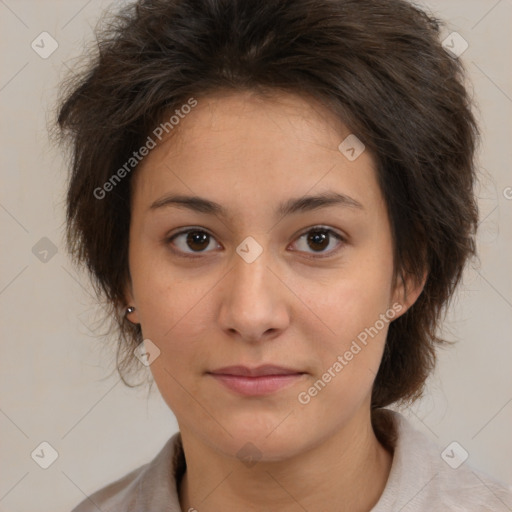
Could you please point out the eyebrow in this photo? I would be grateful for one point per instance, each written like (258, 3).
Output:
(294, 205)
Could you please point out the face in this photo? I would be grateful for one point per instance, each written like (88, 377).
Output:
(259, 273)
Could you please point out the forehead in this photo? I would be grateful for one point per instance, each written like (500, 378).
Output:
(250, 118)
(232, 146)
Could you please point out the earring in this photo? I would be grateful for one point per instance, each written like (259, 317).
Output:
(130, 309)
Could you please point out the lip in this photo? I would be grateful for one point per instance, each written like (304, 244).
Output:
(259, 371)
(258, 381)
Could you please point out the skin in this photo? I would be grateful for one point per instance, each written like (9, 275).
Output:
(290, 307)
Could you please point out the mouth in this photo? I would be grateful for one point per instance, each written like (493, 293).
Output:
(258, 381)
(260, 371)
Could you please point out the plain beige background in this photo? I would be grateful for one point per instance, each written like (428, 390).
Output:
(55, 383)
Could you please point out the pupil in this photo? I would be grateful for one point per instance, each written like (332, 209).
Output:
(198, 237)
(317, 237)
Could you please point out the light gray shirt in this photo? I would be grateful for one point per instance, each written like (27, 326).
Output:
(423, 478)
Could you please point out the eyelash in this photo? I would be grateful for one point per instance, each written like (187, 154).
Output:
(319, 228)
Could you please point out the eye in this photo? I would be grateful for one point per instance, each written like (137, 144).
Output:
(319, 239)
(196, 239)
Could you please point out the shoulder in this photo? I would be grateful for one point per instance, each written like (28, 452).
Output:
(425, 477)
(122, 492)
(150, 487)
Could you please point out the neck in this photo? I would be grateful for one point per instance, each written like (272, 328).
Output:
(346, 471)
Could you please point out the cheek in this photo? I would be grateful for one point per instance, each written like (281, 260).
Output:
(358, 314)
(184, 355)
(163, 293)
(356, 301)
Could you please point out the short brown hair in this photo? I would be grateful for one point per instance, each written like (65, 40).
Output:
(378, 65)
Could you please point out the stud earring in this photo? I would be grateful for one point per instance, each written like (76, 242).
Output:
(130, 309)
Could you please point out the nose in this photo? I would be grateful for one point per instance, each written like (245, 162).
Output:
(254, 302)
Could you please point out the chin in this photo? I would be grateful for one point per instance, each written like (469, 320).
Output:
(259, 448)
(264, 437)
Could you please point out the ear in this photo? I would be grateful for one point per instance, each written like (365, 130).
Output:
(407, 288)
(130, 301)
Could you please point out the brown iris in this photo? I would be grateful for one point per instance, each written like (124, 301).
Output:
(318, 237)
(198, 237)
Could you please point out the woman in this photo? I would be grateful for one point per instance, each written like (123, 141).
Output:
(276, 200)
